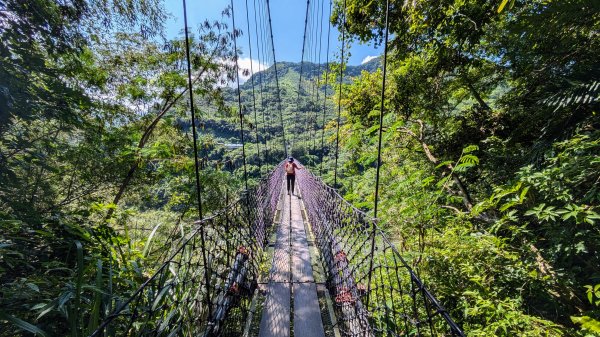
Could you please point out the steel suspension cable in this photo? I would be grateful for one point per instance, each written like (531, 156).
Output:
(325, 93)
(260, 72)
(382, 110)
(253, 93)
(239, 94)
(285, 149)
(297, 126)
(268, 58)
(310, 66)
(339, 115)
(379, 141)
(196, 166)
(320, 29)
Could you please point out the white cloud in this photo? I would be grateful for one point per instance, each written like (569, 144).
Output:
(244, 68)
(367, 59)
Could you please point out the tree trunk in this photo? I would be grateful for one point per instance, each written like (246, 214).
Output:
(449, 168)
(561, 292)
(141, 145)
(467, 201)
(477, 96)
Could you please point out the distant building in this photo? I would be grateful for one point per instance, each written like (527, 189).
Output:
(232, 146)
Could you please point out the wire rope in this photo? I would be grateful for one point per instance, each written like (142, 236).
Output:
(316, 82)
(197, 170)
(253, 92)
(268, 60)
(239, 94)
(379, 141)
(339, 115)
(382, 110)
(260, 76)
(285, 147)
(325, 93)
(310, 66)
(296, 119)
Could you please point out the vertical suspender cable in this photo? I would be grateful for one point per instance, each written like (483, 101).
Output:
(382, 110)
(260, 76)
(325, 94)
(320, 29)
(194, 134)
(267, 56)
(339, 115)
(253, 93)
(239, 94)
(309, 69)
(285, 149)
(268, 59)
(385, 52)
(297, 126)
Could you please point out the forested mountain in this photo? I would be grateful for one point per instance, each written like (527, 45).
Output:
(302, 112)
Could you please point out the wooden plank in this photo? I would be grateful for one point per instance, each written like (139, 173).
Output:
(291, 239)
(301, 266)
(307, 313)
(301, 263)
(275, 321)
(280, 268)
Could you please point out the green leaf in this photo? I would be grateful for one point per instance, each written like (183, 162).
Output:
(21, 324)
(149, 241)
(523, 193)
(502, 5)
(444, 163)
(33, 287)
(470, 148)
(160, 296)
(44, 308)
(97, 303)
(587, 323)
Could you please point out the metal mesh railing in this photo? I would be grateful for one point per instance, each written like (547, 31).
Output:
(376, 292)
(187, 297)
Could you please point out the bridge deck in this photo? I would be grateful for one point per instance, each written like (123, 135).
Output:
(291, 280)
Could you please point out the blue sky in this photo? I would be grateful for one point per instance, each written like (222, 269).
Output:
(288, 26)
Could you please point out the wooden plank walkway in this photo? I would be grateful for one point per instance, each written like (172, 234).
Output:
(291, 279)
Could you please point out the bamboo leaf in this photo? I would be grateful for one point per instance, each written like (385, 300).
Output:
(21, 324)
(149, 241)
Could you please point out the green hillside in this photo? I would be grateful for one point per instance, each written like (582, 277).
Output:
(302, 114)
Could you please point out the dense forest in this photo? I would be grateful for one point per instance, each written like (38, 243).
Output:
(490, 175)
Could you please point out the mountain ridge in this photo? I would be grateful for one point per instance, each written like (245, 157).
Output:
(309, 70)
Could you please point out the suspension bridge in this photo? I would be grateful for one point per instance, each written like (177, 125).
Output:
(277, 264)
(333, 272)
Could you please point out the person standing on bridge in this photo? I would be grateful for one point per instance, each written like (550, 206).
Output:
(290, 170)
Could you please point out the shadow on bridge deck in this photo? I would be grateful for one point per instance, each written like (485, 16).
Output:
(291, 301)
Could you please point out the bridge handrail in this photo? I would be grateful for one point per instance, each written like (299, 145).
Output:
(370, 226)
(172, 299)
